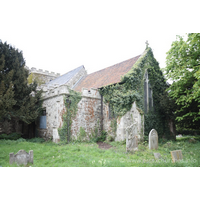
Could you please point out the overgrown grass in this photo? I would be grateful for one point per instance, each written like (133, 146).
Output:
(48, 154)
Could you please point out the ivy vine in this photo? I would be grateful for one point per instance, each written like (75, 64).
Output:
(71, 104)
(131, 89)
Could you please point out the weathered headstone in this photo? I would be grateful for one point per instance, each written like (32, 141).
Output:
(157, 155)
(21, 157)
(176, 155)
(56, 137)
(131, 139)
(153, 139)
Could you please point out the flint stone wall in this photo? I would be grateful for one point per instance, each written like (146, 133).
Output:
(89, 113)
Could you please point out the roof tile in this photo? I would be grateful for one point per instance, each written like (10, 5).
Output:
(107, 76)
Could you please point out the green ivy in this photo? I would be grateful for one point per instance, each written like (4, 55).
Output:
(131, 89)
(71, 110)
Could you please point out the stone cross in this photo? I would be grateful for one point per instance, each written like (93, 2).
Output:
(176, 155)
(131, 139)
(147, 44)
(153, 139)
(21, 157)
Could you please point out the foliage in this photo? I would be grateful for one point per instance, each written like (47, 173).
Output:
(131, 89)
(36, 140)
(35, 77)
(81, 136)
(11, 136)
(102, 137)
(18, 100)
(183, 67)
(71, 109)
(48, 154)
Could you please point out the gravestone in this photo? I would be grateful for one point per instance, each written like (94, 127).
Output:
(176, 155)
(131, 139)
(157, 155)
(56, 137)
(21, 157)
(153, 139)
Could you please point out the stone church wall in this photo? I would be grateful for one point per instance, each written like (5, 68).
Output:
(89, 114)
(42, 76)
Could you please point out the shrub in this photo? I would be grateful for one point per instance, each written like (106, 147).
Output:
(102, 138)
(36, 140)
(12, 136)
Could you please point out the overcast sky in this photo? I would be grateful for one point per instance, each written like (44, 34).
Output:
(61, 35)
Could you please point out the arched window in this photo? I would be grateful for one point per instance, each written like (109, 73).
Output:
(148, 94)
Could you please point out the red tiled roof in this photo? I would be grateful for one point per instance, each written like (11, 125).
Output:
(107, 76)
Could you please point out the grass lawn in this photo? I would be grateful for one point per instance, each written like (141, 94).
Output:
(48, 154)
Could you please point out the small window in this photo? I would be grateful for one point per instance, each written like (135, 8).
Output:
(148, 94)
(43, 120)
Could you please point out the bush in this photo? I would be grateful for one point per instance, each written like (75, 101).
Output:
(36, 140)
(188, 132)
(102, 138)
(21, 140)
(12, 136)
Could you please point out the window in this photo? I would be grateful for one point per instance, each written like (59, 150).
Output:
(111, 112)
(148, 94)
(43, 121)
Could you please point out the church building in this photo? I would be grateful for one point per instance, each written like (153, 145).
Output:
(95, 114)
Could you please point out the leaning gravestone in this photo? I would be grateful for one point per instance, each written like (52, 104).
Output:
(176, 155)
(131, 139)
(22, 157)
(153, 139)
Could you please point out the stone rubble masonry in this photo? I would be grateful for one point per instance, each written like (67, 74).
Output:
(89, 112)
(21, 157)
(131, 117)
(46, 76)
(40, 71)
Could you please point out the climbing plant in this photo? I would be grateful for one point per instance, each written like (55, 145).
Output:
(71, 104)
(131, 89)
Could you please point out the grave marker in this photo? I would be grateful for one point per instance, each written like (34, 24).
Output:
(153, 139)
(176, 155)
(157, 155)
(131, 139)
(21, 157)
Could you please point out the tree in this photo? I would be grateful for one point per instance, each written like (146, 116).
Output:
(18, 100)
(183, 68)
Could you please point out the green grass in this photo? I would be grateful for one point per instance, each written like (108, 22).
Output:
(48, 154)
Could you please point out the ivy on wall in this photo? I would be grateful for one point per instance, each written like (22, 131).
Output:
(71, 104)
(131, 89)
(37, 78)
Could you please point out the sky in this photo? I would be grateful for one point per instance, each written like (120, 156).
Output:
(59, 36)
